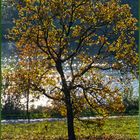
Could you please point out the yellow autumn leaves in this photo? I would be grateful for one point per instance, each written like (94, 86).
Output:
(75, 31)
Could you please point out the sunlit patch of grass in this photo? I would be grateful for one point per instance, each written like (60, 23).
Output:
(117, 129)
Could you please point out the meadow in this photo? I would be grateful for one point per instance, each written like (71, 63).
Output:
(122, 128)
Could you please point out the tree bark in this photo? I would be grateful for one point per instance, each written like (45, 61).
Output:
(68, 102)
(27, 107)
(70, 117)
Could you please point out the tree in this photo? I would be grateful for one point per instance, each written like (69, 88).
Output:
(12, 108)
(75, 39)
(11, 97)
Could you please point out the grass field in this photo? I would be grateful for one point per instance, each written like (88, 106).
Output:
(113, 129)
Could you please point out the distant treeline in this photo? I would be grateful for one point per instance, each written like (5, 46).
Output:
(9, 111)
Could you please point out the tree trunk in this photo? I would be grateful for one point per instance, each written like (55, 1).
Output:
(70, 117)
(27, 108)
(68, 103)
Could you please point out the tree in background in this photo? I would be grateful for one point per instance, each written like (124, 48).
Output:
(75, 39)
(130, 98)
(11, 96)
(12, 107)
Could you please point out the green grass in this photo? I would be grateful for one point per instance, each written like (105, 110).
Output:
(120, 128)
